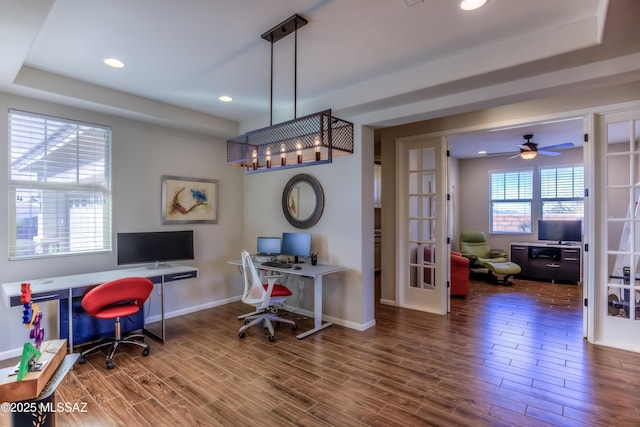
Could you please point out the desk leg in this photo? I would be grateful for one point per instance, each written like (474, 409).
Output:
(70, 321)
(317, 309)
(160, 338)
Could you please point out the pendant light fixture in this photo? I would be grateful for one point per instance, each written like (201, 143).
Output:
(303, 141)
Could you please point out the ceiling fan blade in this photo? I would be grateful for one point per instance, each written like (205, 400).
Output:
(549, 153)
(514, 157)
(503, 153)
(558, 146)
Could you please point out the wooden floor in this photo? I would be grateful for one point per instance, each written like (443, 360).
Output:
(504, 356)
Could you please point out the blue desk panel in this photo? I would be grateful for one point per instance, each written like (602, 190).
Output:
(87, 328)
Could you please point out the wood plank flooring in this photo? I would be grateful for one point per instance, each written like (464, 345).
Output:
(504, 356)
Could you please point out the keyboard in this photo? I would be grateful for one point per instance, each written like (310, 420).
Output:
(277, 264)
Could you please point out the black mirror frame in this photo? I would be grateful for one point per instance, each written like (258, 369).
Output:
(319, 194)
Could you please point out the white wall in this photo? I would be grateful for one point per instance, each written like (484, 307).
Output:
(343, 235)
(142, 153)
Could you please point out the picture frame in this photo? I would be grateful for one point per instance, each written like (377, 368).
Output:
(189, 200)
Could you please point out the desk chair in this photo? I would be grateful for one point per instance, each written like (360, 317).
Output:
(264, 297)
(112, 300)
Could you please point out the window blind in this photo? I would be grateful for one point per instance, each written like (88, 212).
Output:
(59, 186)
(562, 192)
(511, 198)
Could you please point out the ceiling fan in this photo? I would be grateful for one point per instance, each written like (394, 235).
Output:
(529, 150)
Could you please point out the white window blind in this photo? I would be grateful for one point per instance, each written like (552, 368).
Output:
(562, 192)
(511, 198)
(59, 186)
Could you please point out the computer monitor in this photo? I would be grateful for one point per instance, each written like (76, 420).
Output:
(296, 245)
(157, 247)
(268, 246)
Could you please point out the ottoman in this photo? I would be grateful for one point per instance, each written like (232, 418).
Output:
(504, 270)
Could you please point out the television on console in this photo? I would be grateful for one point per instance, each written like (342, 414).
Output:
(561, 231)
(296, 245)
(156, 248)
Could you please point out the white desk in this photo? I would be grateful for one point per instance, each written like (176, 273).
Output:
(63, 287)
(314, 271)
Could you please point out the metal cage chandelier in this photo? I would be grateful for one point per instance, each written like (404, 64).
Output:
(303, 141)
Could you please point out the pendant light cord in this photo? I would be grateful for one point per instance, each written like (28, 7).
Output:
(295, 72)
(271, 94)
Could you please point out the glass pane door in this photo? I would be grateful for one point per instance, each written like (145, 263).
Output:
(423, 276)
(621, 314)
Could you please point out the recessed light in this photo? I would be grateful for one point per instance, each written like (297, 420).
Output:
(482, 152)
(471, 4)
(113, 62)
(225, 98)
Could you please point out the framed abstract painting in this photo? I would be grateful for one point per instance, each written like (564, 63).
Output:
(189, 200)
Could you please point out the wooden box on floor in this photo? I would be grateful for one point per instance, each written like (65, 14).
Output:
(12, 390)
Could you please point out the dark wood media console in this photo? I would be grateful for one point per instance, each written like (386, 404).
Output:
(553, 262)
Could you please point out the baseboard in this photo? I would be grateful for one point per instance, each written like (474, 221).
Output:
(388, 302)
(10, 354)
(192, 309)
(336, 321)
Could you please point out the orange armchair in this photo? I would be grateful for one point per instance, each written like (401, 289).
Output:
(459, 272)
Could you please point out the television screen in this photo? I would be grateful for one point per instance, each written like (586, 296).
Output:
(155, 247)
(296, 245)
(268, 245)
(560, 231)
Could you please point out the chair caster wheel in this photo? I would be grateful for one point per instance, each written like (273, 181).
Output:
(82, 360)
(294, 327)
(145, 352)
(272, 338)
(110, 364)
(242, 335)
(246, 322)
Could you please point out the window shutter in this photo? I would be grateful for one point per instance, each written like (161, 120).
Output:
(562, 192)
(511, 196)
(59, 186)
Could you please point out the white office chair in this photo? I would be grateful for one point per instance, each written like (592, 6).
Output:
(264, 297)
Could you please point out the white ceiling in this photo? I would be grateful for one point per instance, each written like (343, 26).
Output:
(377, 62)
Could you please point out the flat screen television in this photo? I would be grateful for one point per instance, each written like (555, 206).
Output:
(268, 246)
(296, 245)
(561, 231)
(155, 248)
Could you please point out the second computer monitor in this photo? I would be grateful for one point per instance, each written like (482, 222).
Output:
(296, 245)
(268, 246)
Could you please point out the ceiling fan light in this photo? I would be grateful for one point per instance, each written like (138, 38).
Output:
(528, 155)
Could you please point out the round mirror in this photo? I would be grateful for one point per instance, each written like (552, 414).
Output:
(302, 201)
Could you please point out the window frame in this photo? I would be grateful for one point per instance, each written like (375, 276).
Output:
(576, 187)
(505, 200)
(63, 167)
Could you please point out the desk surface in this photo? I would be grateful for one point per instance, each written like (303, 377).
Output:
(306, 269)
(60, 283)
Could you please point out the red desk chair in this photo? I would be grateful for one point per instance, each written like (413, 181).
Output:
(112, 300)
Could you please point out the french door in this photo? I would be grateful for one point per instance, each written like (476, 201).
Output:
(617, 290)
(423, 267)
